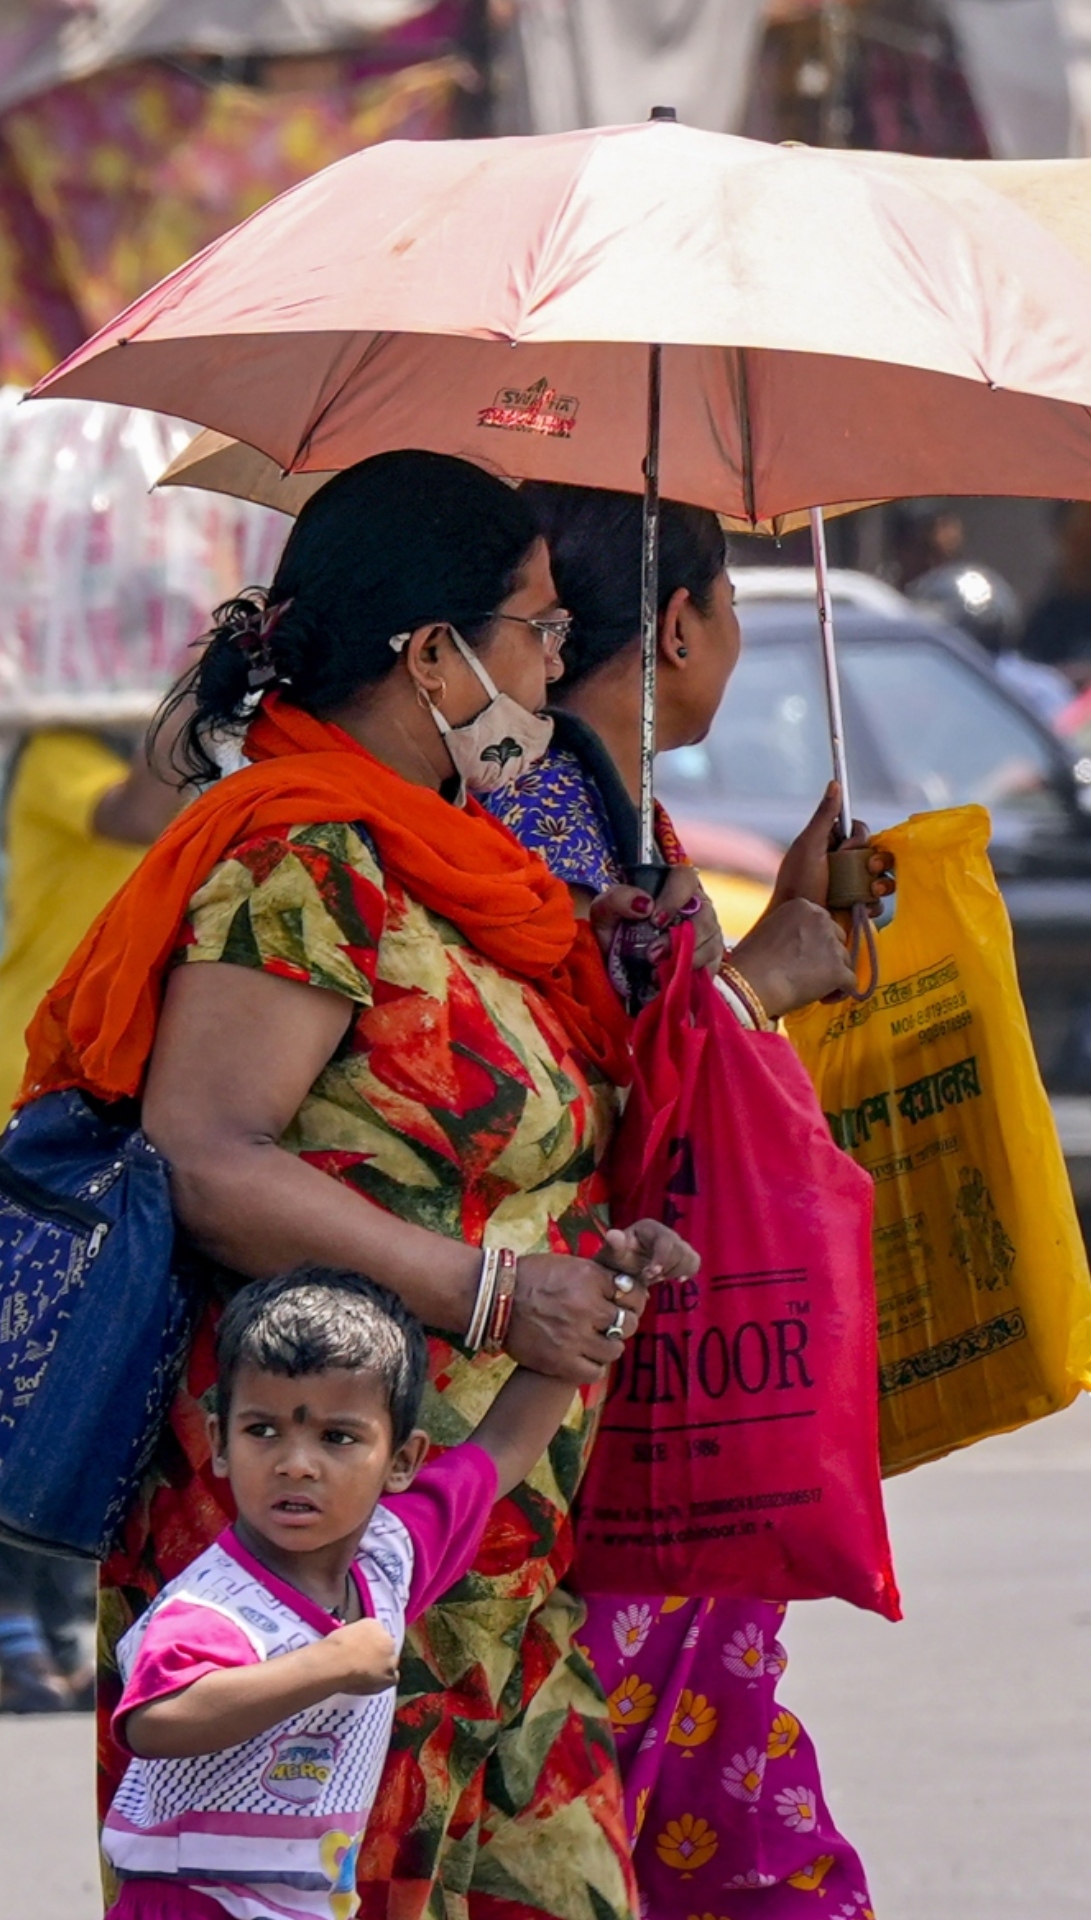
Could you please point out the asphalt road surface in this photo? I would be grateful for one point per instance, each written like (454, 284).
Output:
(956, 1747)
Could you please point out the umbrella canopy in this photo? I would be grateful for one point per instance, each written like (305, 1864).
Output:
(218, 464)
(836, 327)
(1057, 194)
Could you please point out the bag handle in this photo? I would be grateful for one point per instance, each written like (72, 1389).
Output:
(671, 1011)
(932, 853)
(676, 987)
(863, 935)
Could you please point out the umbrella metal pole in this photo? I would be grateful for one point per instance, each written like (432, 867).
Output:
(850, 879)
(649, 609)
(829, 666)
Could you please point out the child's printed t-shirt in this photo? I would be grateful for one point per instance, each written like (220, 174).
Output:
(270, 1829)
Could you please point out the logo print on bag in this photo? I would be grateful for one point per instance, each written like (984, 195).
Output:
(301, 1766)
(536, 409)
(767, 1352)
(978, 1240)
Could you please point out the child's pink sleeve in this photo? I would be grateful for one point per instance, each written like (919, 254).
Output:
(445, 1513)
(186, 1640)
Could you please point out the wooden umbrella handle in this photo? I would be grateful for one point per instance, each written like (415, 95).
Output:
(850, 879)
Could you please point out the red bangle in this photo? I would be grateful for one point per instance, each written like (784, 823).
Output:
(504, 1303)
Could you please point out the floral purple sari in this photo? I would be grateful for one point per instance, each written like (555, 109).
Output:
(722, 1789)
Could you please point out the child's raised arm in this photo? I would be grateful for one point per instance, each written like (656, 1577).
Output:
(521, 1423)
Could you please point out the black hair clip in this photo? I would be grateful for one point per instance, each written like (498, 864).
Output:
(261, 672)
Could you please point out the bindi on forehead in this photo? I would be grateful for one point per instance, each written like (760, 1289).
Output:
(301, 1415)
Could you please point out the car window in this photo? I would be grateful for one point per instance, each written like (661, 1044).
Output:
(947, 736)
(769, 737)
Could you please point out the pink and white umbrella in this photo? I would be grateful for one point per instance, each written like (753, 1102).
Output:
(760, 330)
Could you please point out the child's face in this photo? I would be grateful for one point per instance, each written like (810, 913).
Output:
(308, 1459)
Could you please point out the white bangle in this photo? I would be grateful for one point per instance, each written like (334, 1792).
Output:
(737, 1004)
(483, 1299)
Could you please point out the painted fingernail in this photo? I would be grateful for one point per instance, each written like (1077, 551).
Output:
(642, 903)
(661, 919)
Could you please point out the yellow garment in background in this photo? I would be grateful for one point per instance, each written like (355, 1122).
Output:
(738, 900)
(931, 1084)
(60, 873)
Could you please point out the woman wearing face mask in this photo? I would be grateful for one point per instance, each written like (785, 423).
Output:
(689, 1680)
(368, 1032)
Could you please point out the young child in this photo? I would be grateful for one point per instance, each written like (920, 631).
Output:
(258, 1698)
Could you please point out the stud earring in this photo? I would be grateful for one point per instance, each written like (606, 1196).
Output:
(683, 652)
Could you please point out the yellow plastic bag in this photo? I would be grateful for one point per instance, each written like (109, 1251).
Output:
(932, 1085)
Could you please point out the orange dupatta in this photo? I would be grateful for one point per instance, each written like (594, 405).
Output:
(96, 1027)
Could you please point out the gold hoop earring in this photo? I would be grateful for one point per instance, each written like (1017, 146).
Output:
(425, 698)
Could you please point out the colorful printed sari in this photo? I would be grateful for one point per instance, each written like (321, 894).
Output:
(455, 1101)
(722, 1791)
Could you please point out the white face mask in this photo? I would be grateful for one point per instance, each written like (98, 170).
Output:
(499, 744)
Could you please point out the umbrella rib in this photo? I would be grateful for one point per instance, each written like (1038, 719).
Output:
(745, 437)
(358, 364)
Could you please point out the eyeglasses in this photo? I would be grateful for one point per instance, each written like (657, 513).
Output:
(553, 629)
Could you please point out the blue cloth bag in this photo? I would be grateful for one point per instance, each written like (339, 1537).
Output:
(95, 1320)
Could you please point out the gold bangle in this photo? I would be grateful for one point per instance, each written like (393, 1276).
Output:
(748, 997)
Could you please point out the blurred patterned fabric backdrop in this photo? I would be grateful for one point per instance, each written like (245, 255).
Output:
(109, 181)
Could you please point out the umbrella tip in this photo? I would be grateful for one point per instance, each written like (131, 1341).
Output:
(663, 113)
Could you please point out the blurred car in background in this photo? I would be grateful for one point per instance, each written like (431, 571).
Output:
(1074, 723)
(928, 725)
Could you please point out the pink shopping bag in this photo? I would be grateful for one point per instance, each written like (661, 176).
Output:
(739, 1447)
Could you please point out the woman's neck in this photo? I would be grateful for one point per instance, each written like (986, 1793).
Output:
(609, 702)
(395, 738)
